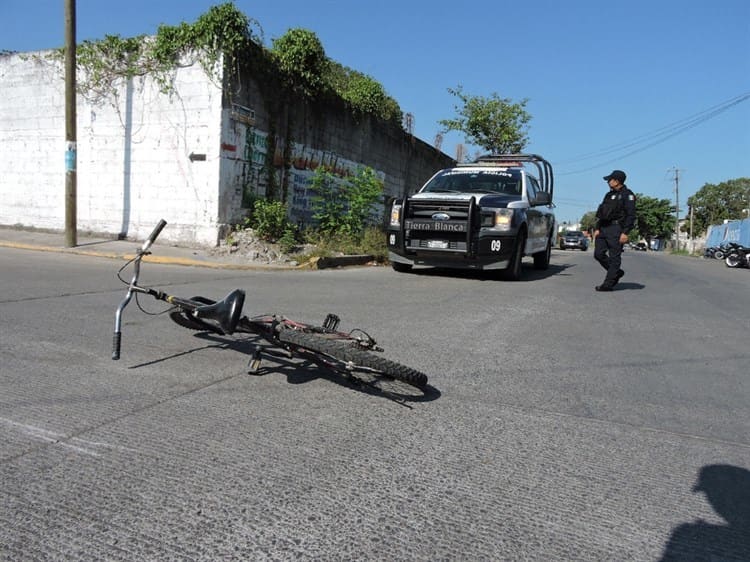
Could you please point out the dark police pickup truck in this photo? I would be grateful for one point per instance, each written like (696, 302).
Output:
(486, 215)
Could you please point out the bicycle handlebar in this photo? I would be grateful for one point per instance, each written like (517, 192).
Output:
(117, 338)
(154, 235)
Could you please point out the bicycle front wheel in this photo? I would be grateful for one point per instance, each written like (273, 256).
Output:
(186, 320)
(347, 356)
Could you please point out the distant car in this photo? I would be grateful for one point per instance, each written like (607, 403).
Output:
(574, 239)
(640, 246)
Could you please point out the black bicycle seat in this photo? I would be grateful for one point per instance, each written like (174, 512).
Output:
(226, 312)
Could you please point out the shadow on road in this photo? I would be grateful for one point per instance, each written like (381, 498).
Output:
(300, 371)
(727, 489)
(529, 273)
(624, 286)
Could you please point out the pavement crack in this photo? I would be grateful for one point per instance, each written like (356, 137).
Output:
(75, 440)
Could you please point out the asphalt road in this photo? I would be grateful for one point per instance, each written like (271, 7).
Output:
(562, 424)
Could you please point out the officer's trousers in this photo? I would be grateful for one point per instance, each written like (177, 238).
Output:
(608, 252)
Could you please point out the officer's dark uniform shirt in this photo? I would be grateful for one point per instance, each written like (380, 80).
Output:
(617, 207)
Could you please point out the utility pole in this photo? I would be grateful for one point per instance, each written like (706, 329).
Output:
(460, 153)
(70, 125)
(677, 207)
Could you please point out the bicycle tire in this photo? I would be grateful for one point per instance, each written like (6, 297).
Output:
(185, 320)
(344, 351)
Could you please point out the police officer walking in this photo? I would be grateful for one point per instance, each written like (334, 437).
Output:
(615, 219)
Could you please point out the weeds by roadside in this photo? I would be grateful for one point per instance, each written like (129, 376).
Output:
(267, 236)
(343, 210)
(370, 243)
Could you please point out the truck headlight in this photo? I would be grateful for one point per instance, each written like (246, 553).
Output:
(396, 214)
(503, 218)
(498, 219)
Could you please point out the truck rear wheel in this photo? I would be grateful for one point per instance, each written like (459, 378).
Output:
(541, 259)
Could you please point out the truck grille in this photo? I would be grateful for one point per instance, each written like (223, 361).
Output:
(438, 225)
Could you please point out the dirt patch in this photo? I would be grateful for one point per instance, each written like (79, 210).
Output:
(246, 247)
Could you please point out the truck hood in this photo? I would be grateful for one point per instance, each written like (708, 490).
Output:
(497, 200)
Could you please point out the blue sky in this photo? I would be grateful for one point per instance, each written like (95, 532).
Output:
(646, 86)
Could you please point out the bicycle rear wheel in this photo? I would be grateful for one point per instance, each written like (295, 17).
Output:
(347, 357)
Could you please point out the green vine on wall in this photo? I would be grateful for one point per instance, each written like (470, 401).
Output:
(223, 30)
(296, 65)
(300, 56)
(297, 56)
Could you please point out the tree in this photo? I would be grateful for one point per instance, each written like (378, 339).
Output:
(496, 124)
(713, 204)
(654, 218)
(588, 221)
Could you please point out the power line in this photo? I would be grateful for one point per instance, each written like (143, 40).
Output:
(655, 137)
(701, 116)
(584, 204)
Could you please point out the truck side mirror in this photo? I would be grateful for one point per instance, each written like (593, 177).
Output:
(542, 198)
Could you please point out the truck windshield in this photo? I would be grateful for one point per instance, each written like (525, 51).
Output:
(507, 182)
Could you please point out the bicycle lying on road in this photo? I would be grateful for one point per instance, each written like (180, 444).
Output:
(352, 354)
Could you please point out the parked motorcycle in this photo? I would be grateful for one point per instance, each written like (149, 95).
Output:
(737, 255)
(712, 253)
(723, 249)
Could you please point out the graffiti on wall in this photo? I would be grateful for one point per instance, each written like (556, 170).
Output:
(250, 181)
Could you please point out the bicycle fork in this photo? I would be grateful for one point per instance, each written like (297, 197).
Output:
(117, 338)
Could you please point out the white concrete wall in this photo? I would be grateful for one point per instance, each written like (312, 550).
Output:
(133, 164)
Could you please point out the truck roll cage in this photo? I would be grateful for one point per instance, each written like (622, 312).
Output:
(544, 168)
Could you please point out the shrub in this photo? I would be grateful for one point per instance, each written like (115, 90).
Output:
(269, 220)
(288, 240)
(344, 206)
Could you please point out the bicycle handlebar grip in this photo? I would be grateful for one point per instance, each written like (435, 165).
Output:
(157, 230)
(116, 345)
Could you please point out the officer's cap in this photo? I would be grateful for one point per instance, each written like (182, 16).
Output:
(618, 175)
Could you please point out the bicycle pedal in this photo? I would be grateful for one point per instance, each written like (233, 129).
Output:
(331, 323)
(254, 364)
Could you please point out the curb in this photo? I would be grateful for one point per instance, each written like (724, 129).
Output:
(167, 260)
(314, 263)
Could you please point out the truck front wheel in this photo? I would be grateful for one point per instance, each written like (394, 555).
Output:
(513, 273)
